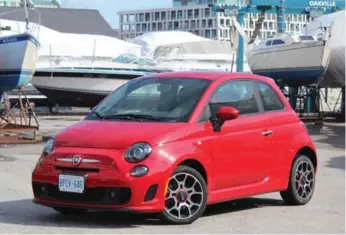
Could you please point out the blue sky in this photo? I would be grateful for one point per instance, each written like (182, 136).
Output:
(109, 8)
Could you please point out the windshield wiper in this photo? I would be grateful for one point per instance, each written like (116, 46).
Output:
(132, 116)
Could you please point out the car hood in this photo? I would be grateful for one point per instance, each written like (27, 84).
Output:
(118, 134)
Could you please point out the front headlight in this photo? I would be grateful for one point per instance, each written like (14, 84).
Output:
(48, 148)
(138, 152)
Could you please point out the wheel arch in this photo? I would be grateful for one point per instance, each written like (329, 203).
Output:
(197, 165)
(310, 153)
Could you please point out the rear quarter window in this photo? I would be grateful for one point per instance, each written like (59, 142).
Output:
(269, 98)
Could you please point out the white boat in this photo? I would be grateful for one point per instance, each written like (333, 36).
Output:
(293, 59)
(18, 57)
(72, 83)
(85, 85)
(181, 62)
(334, 76)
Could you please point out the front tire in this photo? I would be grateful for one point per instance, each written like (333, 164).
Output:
(186, 198)
(70, 211)
(301, 183)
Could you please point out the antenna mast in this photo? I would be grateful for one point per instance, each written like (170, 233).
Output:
(26, 14)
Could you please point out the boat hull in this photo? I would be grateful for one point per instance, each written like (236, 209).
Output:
(294, 64)
(18, 58)
(78, 89)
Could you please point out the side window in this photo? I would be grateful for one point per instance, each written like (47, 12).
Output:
(238, 94)
(278, 42)
(270, 99)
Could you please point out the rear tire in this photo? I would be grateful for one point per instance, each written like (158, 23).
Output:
(70, 211)
(186, 199)
(301, 183)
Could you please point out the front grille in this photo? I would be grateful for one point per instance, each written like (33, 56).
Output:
(75, 169)
(101, 196)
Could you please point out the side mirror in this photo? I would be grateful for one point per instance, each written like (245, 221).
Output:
(224, 113)
(227, 113)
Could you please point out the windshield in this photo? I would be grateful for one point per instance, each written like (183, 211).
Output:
(153, 99)
(132, 59)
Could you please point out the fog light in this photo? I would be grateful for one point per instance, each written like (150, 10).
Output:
(139, 171)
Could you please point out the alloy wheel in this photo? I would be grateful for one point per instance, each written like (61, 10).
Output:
(184, 197)
(304, 180)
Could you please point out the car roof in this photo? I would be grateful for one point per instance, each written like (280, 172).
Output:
(209, 75)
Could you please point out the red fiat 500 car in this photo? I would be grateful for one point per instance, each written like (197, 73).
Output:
(173, 143)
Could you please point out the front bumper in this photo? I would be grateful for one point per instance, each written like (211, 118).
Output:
(107, 186)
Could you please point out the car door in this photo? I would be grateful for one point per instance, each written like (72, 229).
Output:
(242, 147)
(274, 110)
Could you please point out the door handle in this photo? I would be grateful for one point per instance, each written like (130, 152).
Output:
(267, 133)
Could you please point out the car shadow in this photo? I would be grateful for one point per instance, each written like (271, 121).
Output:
(240, 205)
(329, 133)
(25, 212)
(337, 163)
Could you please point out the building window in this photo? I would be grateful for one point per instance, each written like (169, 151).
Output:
(204, 24)
(163, 15)
(189, 14)
(298, 27)
(207, 12)
(214, 34)
(271, 25)
(196, 13)
(180, 14)
(147, 17)
(141, 17)
(159, 26)
(186, 24)
(144, 27)
(207, 33)
(193, 24)
(170, 25)
(210, 23)
(176, 25)
(174, 15)
(157, 16)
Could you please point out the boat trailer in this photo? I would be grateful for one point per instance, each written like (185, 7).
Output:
(18, 123)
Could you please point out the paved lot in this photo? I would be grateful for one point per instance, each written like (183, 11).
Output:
(263, 214)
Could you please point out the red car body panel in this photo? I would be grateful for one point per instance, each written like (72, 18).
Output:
(238, 161)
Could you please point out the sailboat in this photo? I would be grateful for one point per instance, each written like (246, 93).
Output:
(292, 58)
(18, 57)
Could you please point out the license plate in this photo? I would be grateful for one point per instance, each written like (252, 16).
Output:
(71, 183)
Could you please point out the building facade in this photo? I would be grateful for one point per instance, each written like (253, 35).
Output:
(196, 17)
(31, 3)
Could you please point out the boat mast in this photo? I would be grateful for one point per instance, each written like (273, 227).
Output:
(26, 14)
